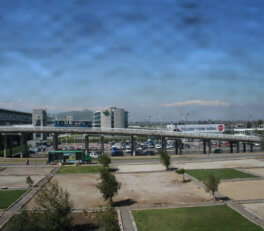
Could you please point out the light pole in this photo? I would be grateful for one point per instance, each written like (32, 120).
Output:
(160, 127)
(149, 117)
(185, 120)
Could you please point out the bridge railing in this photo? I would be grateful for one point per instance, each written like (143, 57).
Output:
(129, 131)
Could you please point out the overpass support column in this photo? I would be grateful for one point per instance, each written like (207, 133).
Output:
(55, 141)
(23, 142)
(238, 147)
(133, 149)
(231, 147)
(180, 146)
(102, 144)
(163, 144)
(5, 145)
(86, 143)
(244, 147)
(209, 147)
(204, 146)
(251, 147)
(176, 147)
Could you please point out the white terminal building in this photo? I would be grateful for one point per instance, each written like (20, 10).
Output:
(111, 117)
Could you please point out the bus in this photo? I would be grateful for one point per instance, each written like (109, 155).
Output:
(74, 156)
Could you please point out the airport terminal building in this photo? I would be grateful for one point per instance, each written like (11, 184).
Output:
(111, 117)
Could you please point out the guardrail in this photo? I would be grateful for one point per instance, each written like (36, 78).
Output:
(127, 131)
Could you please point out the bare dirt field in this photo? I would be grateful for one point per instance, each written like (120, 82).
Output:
(138, 189)
(26, 171)
(256, 171)
(17, 181)
(256, 208)
(243, 190)
(221, 164)
(193, 165)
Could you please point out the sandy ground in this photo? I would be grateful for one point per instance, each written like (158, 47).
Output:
(142, 189)
(198, 165)
(26, 171)
(243, 190)
(256, 208)
(17, 181)
(221, 164)
(256, 171)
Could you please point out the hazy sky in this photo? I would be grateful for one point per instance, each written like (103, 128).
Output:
(149, 56)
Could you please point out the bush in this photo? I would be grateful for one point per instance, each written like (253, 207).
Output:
(165, 159)
(211, 183)
(29, 182)
(104, 160)
(53, 207)
(181, 172)
(108, 185)
(107, 219)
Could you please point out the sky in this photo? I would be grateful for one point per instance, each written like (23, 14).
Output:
(158, 58)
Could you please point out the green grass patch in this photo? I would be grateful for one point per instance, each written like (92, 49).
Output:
(217, 218)
(9, 196)
(201, 174)
(79, 169)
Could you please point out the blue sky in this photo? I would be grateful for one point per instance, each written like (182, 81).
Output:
(160, 56)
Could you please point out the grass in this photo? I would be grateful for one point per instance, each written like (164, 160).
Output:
(217, 218)
(9, 196)
(15, 150)
(201, 174)
(78, 169)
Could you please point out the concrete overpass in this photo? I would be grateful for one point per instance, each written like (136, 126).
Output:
(23, 131)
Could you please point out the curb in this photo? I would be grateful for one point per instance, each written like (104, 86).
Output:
(133, 220)
(120, 220)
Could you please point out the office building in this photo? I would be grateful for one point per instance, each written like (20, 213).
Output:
(111, 117)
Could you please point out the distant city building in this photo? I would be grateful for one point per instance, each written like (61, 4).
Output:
(39, 118)
(10, 117)
(111, 117)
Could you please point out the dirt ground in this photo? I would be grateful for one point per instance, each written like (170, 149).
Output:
(197, 165)
(256, 171)
(137, 189)
(26, 171)
(256, 208)
(243, 190)
(17, 181)
(222, 164)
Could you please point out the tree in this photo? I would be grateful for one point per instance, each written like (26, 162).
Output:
(53, 207)
(211, 183)
(108, 185)
(107, 219)
(181, 172)
(165, 159)
(104, 160)
(29, 182)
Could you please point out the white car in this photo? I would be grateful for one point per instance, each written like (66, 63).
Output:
(94, 155)
(158, 146)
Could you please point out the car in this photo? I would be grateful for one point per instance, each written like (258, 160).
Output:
(218, 150)
(187, 146)
(158, 146)
(117, 153)
(94, 155)
(128, 150)
(149, 152)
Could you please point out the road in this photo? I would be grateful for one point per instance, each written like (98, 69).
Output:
(142, 159)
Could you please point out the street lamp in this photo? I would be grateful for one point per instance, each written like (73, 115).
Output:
(148, 132)
(160, 127)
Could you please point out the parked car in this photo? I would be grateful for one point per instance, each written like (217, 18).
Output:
(94, 155)
(218, 150)
(158, 146)
(117, 153)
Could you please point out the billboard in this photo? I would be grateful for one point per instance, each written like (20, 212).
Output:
(198, 128)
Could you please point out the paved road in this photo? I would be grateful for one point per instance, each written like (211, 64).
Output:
(143, 159)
